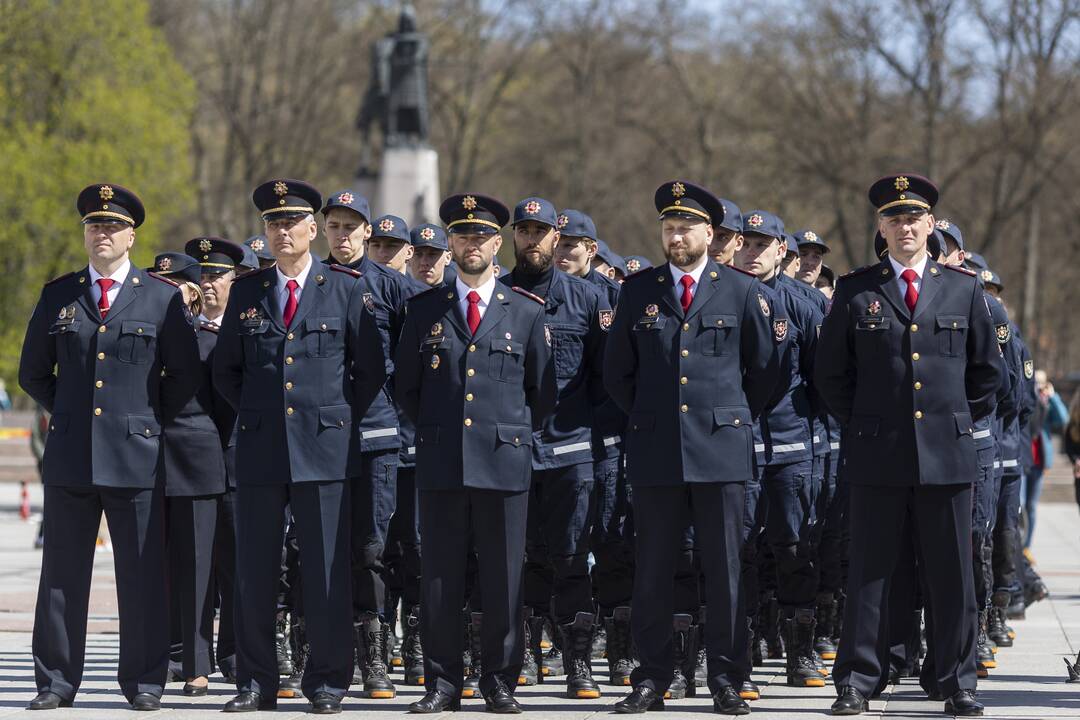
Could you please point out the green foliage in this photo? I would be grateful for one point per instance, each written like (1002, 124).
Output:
(89, 92)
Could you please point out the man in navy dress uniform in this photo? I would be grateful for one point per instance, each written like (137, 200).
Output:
(907, 362)
(474, 372)
(300, 358)
(110, 352)
(691, 359)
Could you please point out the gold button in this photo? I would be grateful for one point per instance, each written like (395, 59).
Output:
(472, 348)
(918, 385)
(914, 328)
(138, 331)
(243, 427)
(508, 348)
(736, 421)
(517, 441)
(97, 411)
(685, 353)
(918, 414)
(468, 422)
(289, 336)
(288, 386)
(471, 372)
(101, 356)
(323, 326)
(954, 324)
(288, 360)
(914, 356)
(288, 411)
(147, 432)
(101, 329)
(468, 397)
(99, 383)
(684, 408)
(686, 326)
(683, 381)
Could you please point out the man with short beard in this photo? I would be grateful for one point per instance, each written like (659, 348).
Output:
(577, 318)
(812, 251)
(691, 359)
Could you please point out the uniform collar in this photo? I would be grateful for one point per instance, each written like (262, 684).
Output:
(695, 273)
(300, 279)
(484, 291)
(118, 277)
(919, 267)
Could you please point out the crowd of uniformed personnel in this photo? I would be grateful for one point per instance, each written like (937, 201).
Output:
(682, 469)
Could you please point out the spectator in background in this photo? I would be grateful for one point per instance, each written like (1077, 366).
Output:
(1072, 441)
(1050, 416)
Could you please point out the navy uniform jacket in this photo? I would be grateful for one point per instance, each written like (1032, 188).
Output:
(821, 440)
(577, 317)
(109, 385)
(384, 292)
(299, 393)
(475, 400)
(691, 385)
(194, 449)
(988, 430)
(407, 456)
(908, 389)
(609, 422)
(788, 427)
(1010, 437)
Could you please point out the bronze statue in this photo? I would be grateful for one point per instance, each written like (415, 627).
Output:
(396, 99)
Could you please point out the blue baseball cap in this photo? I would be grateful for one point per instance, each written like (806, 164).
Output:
(349, 200)
(576, 224)
(428, 235)
(390, 226)
(760, 222)
(536, 209)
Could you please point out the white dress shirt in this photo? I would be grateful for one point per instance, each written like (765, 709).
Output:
(484, 291)
(301, 278)
(919, 268)
(117, 277)
(215, 320)
(695, 275)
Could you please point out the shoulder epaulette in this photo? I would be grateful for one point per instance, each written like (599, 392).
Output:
(163, 279)
(59, 278)
(857, 271)
(526, 293)
(212, 327)
(344, 269)
(959, 269)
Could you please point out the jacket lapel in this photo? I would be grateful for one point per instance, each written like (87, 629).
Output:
(269, 302)
(887, 282)
(86, 297)
(667, 290)
(928, 287)
(705, 289)
(496, 309)
(313, 293)
(128, 293)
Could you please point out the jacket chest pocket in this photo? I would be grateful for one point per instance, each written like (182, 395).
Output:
(256, 343)
(136, 343)
(434, 355)
(66, 338)
(568, 347)
(507, 359)
(952, 334)
(718, 334)
(649, 335)
(872, 334)
(322, 336)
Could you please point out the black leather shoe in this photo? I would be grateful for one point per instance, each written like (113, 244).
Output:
(502, 702)
(850, 702)
(728, 702)
(325, 703)
(193, 690)
(48, 701)
(146, 701)
(963, 704)
(641, 699)
(250, 702)
(435, 701)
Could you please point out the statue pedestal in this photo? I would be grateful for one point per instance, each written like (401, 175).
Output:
(408, 185)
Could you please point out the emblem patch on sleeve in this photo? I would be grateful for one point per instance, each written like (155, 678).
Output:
(763, 303)
(606, 318)
(779, 327)
(1029, 369)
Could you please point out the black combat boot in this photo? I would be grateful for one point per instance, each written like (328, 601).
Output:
(799, 639)
(281, 644)
(374, 635)
(701, 662)
(996, 629)
(552, 662)
(684, 638)
(823, 635)
(412, 651)
(599, 641)
(576, 638)
(299, 650)
(530, 664)
(471, 688)
(394, 644)
(770, 626)
(984, 656)
(619, 653)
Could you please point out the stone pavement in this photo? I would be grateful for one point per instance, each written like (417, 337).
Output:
(1028, 683)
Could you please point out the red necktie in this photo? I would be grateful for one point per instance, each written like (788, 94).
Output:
(912, 295)
(473, 315)
(103, 301)
(290, 303)
(687, 296)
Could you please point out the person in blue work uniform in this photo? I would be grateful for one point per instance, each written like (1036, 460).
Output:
(692, 361)
(787, 430)
(608, 262)
(430, 263)
(576, 316)
(474, 371)
(111, 354)
(612, 535)
(907, 362)
(348, 227)
(300, 358)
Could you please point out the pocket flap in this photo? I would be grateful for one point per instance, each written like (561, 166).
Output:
(952, 322)
(134, 327)
(873, 323)
(64, 327)
(335, 416)
(324, 324)
(249, 419)
(964, 426)
(736, 416)
(515, 435)
(427, 435)
(145, 425)
(510, 347)
(254, 328)
(58, 422)
(865, 425)
(719, 321)
(642, 421)
(650, 323)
